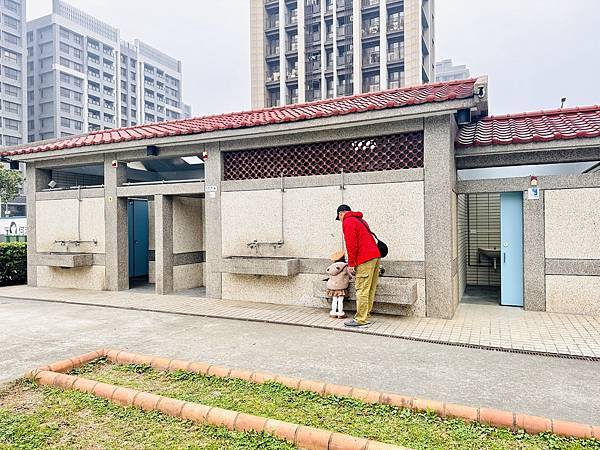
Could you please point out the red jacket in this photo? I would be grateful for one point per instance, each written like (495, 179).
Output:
(360, 243)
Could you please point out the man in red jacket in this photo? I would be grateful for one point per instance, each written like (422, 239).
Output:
(363, 262)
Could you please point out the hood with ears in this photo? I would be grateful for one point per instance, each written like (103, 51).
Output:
(336, 268)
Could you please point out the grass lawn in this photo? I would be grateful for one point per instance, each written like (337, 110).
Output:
(34, 416)
(40, 417)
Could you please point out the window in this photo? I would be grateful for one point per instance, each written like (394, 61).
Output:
(77, 110)
(30, 66)
(11, 107)
(124, 85)
(31, 124)
(30, 96)
(65, 122)
(77, 96)
(12, 124)
(11, 140)
(64, 48)
(46, 63)
(65, 78)
(123, 72)
(10, 22)
(47, 108)
(30, 110)
(65, 107)
(124, 98)
(11, 56)
(11, 90)
(64, 92)
(29, 37)
(76, 53)
(77, 38)
(11, 73)
(64, 33)
(12, 6)
(11, 38)
(77, 124)
(123, 122)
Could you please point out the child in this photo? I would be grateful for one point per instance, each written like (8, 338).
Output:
(337, 284)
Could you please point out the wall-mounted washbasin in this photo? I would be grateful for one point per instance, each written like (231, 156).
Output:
(64, 259)
(490, 253)
(261, 265)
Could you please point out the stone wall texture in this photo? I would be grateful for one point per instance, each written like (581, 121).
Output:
(394, 211)
(573, 294)
(57, 220)
(572, 218)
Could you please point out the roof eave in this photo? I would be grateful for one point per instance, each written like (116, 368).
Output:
(475, 104)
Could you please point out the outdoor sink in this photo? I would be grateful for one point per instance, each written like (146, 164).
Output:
(65, 259)
(259, 265)
(490, 253)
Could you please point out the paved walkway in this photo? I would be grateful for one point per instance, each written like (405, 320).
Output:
(34, 333)
(493, 327)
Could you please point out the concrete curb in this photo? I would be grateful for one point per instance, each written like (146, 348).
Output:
(302, 436)
(486, 416)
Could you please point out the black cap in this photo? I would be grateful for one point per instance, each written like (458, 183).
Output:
(340, 209)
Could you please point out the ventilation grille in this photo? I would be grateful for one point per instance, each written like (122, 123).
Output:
(393, 152)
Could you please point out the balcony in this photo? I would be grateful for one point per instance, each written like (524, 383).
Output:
(272, 52)
(344, 32)
(345, 89)
(370, 30)
(273, 77)
(344, 4)
(371, 87)
(292, 20)
(395, 26)
(292, 74)
(370, 59)
(369, 3)
(107, 106)
(292, 48)
(395, 56)
(344, 60)
(313, 95)
(314, 67)
(93, 102)
(272, 25)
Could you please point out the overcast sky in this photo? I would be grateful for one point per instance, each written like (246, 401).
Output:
(534, 51)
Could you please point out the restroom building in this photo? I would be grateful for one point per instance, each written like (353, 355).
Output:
(241, 206)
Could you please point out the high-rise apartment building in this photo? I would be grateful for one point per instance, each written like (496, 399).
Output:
(446, 71)
(83, 77)
(305, 50)
(13, 126)
(13, 100)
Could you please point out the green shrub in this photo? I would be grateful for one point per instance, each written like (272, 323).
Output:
(13, 263)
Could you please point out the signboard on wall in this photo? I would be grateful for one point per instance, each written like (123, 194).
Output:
(13, 226)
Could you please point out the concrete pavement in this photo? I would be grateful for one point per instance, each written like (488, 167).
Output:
(475, 325)
(34, 333)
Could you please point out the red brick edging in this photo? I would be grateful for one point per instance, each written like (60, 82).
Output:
(486, 416)
(302, 436)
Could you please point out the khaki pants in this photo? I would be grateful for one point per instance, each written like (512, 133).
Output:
(367, 276)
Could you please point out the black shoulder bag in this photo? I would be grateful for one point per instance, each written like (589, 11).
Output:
(382, 246)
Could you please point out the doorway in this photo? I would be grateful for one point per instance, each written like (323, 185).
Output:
(137, 219)
(490, 241)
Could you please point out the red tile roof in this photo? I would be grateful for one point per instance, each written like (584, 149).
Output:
(541, 126)
(428, 93)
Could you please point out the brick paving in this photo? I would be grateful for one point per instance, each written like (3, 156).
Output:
(483, 326)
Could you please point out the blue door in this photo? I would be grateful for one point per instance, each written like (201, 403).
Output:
(511, 245)
(137, 219)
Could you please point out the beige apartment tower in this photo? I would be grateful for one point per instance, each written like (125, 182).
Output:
(306, 50)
